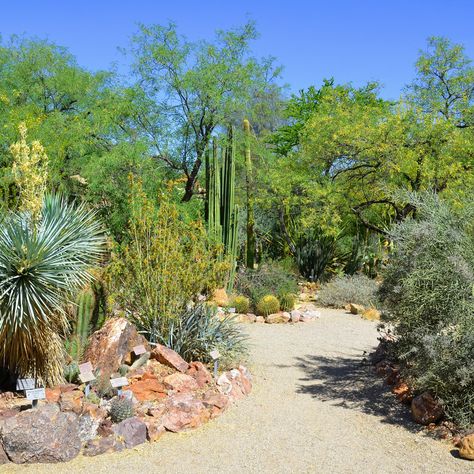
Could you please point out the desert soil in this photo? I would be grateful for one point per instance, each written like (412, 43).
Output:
(315, 408)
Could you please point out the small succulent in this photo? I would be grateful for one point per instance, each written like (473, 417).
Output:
(287, 301)
(241, 304)
(269, 304)
(102, 386)
(71, 372)
(121, 408)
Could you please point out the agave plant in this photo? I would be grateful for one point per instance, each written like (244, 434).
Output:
(44, 261)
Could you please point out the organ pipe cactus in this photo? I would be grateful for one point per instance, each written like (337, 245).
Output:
(222, 212)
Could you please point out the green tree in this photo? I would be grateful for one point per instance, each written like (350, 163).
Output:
(197, 88)
(444, 83)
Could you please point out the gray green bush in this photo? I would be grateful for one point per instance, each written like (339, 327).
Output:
(345, 289)
(427, 295)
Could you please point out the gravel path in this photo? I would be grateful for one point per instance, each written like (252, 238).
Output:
(314, 409)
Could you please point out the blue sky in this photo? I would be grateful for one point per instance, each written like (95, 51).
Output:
(351, 40)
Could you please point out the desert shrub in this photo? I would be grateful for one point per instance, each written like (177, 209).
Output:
(270, 278)
(345, 289)
(427, 295)
(269, 304)
(287, 301)
(240, 303)
(166, 263)
(198, 331)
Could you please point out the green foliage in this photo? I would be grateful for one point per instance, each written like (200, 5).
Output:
(121, 408)
(269, 304)
(42, 266)
(71, 372)
(287, 301)
(164, 266)
(427, 295)
(269, 278)
(102, 386)
(196, 87)
(222, 213)
(240, 303)
(93, 398)
(198, 331)
(346, 289)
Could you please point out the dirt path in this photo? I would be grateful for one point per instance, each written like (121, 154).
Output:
(314, 409)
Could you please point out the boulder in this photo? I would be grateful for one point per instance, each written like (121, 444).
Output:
(402, 392)
(466, 447)
(149, 388)
(180, 382)
(295, 316)
(224, 385)
(200, 373)
(104, 445)
(71, 401)
(41, 435)
(277, 318)
(425, 409)
(170, 358)
(184, 412)
(371, 314)
(131, 431)
(252, 318)
(90, 420)
(3, 456)
(154, 428)
(356, 308)
(112, 345)
(259, 319)
(215, 402)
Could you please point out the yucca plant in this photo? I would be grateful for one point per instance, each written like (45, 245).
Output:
(44, 261)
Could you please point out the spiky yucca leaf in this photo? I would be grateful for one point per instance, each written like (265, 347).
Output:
(42, 264)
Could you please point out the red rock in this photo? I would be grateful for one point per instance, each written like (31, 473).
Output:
(466, 447)
(147, 389)
(9, 412)
(105, 428)
(71, 401)
(103, 445)
(154, 428)
(200, 373)
(112, 345)
(392, 376)
(53, 394)
(168, 357)
(184, 412)
(215, 402)
(131, 431)
(425, 409)
(180, 382)
(402, 392)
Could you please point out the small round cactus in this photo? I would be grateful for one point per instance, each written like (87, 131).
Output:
(287, 301)
(241, 304)
(121, 409)
(269, 304)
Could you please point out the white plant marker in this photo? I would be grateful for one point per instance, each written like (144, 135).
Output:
(118, 383)
(215, 354)
(86, 376)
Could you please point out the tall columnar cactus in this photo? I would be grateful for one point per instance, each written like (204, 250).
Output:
(222, 212)
(83, 323)
(250, 260)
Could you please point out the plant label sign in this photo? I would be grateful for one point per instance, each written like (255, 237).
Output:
(215, 354)
(119, 382)
(25, 384)
(139, 350)
(85, 367)
(86, 377)
(35, 394)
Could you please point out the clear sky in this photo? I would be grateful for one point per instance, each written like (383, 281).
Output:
(351, 40)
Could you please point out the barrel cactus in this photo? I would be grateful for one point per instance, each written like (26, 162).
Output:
(121, 409)
(241, 304)
(269, 304)
(287, 301)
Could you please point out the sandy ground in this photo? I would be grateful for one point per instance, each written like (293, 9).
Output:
(315, 408)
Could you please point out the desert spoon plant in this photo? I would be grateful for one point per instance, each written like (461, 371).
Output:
(45, 254)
